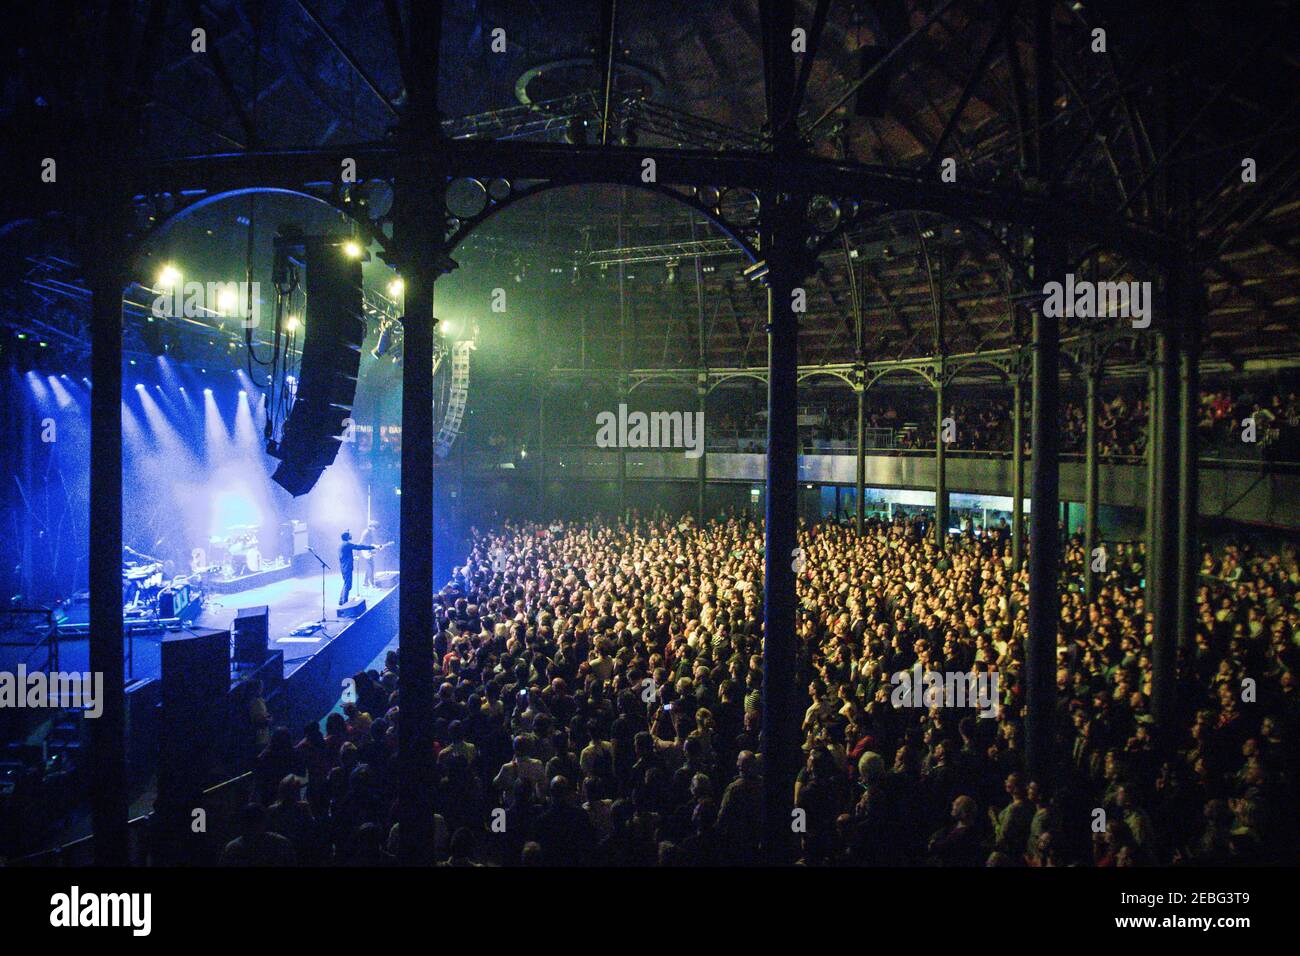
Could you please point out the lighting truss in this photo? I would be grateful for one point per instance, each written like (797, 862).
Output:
(659, 252)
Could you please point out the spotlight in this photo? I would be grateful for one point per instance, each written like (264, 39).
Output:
(139, 386)
(670, 276)
(352, 249)
(292, 323)
(227, 301)
(207, 391)
(168, 277)
(396, 287)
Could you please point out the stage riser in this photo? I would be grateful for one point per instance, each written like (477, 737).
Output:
(314, 688)
(261, 579)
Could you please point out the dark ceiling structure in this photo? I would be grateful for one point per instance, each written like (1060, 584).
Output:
(896, 87)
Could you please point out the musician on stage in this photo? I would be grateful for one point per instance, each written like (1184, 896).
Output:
(369, 536)
(345, 563)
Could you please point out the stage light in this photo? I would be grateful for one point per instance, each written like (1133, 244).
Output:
(22, 335)
(168, 277)
(139, 386)
(396, 287)
(292, 323)
(44, 345)
(227, 301)
(352, 250)
(397, 491)
(207, 391)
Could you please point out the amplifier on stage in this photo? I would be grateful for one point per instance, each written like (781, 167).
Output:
(293, 538)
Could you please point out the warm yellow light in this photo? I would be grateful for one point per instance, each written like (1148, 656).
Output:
(292, 323)
(227, 301)
(396, 287)
(352, 250)
(169, 276)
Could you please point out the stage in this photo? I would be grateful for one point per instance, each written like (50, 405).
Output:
(290, 602)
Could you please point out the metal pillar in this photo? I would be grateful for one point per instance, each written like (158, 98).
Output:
(780, 705)
(109, 805)
(106, 271)
(1187, 302)
(783, 245)
(418, 213)
(1044, 546)
(1164, 641)
(1018, 469)
(1090, 522)
(702, 472)
(622, 453)
(940, 471)
(1153, 477)
(1190, 304)
(860, 468)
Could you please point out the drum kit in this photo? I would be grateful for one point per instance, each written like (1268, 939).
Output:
(231, 555)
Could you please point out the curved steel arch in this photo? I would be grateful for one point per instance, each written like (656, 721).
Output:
(954, 366)
(494, 206)
(722, 379)
(924, 374)
(137, 241)
(992, 240)
(826, 373)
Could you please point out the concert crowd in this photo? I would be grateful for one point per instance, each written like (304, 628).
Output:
(600, 705)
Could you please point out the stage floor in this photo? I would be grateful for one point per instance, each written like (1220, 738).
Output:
(292, 602)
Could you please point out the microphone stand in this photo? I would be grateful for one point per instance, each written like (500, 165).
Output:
(323, 566)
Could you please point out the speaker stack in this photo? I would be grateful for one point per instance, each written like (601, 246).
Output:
(331, 357)
(251, 636)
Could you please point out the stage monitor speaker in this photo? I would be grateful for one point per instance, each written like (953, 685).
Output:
(195, 685)
(387, 579)
(335, 327)
(354, 608)
(251, 634)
